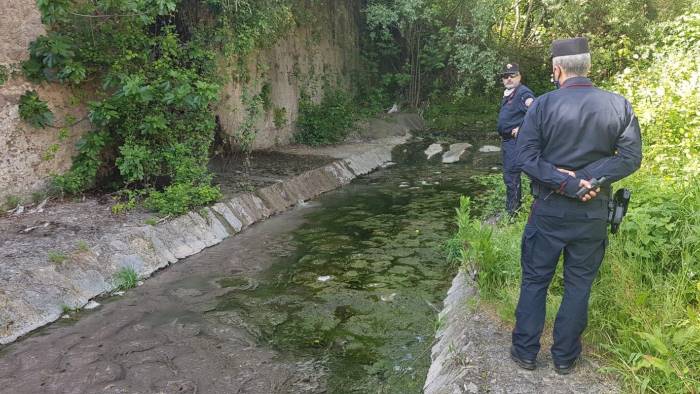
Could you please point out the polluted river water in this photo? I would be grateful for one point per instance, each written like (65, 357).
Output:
(340, 295)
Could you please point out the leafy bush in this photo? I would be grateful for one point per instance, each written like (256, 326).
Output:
(153, 123)
(327, 122)
(33, 110)
(176, 199)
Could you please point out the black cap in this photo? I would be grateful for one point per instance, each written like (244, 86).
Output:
(570, 46)
(510, 68)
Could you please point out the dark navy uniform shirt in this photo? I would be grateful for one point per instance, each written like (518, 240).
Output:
(513, 111)
(579, 128)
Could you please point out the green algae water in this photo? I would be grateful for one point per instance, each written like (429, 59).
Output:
(360, 293)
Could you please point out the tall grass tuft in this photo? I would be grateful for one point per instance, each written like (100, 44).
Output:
(126, 278)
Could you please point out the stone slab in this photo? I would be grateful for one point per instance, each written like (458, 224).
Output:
(455, 153)
(433, 150)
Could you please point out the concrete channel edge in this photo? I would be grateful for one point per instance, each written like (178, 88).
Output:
(148, 248)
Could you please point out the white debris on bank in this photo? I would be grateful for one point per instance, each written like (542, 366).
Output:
(455, 153)
(433, 150)
(489, 149)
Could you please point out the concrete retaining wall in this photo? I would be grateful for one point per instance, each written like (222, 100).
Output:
(149, 248)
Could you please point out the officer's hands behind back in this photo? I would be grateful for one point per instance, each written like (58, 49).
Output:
(591, 194)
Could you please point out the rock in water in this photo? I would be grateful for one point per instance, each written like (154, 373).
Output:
(455, 153)
(433, 150)
(91, 305)
(489, 149)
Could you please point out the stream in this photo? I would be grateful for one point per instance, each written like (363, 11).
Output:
(340, 295)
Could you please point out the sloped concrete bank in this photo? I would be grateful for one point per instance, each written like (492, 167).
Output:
(471, 355)
(35, 290)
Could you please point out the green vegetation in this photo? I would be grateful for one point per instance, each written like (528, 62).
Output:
(280, 117)
(4, 74)
(155, 64)
(12, 202)
(57, 257)
(126, 279)
(82, 246)
(65, 309)
(327, 122)
(34, 111)
(38, 197)
(442, 56)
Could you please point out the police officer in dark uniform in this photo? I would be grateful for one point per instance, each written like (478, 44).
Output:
(517, 98)
(569, 137)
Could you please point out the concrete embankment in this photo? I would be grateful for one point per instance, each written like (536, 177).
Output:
(471, 354)
(57, 259)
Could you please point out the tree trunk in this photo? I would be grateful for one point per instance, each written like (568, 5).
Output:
(528, 21)
(516, 5)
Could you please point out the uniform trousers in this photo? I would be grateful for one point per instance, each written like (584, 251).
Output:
(577, 229)
(511, 175)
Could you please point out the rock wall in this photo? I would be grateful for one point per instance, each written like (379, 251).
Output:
(323, 49)
(27, 154)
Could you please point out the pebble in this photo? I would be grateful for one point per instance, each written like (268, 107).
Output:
(489, 149)
(388, 298)
(471, 388)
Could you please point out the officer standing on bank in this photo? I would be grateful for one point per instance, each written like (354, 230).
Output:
(517, 98)
(569, 137)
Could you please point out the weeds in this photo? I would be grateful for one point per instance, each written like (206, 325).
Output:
(57, 257)
(280, 117)
(126, 278)
(327, 122)
(82, 246)
(12, 202)
(34, 111)
(65, 309)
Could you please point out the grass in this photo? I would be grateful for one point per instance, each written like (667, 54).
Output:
(644, 320)
(126, 278)
(12, 202)
(82, 246)
(57, 257)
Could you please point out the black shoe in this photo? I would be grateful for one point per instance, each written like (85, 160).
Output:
(522, 363)
(565, 368)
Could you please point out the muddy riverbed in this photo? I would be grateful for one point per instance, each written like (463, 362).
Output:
(340, 296)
